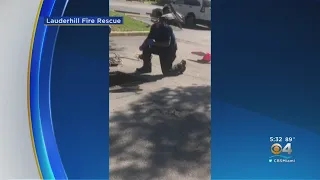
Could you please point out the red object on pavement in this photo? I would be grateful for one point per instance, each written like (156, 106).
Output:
(207, 57)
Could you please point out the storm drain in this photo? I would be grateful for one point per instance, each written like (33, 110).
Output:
(119, 78)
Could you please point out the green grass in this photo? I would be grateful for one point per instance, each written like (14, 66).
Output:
(129, 24)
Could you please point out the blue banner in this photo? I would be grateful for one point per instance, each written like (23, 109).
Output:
(83, 21)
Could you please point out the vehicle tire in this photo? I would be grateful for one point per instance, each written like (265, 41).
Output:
(190, 21)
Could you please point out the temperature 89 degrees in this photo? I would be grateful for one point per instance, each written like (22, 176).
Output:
(289, 139)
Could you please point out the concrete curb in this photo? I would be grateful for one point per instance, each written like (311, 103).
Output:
(126, 12)
(137, 15)
(129, 12)
(134, 14)
(130, 33)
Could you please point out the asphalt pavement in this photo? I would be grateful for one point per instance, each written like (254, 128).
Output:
(160, 128)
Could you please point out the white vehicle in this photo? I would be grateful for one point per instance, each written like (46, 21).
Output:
(193, 11)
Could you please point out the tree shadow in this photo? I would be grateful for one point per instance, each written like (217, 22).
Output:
(164, 135)
(133, 84)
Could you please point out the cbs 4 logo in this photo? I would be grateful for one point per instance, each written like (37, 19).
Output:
(278, 149)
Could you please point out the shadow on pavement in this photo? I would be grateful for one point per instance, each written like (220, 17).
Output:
(129, 82)
(200, 61)
(164, 135)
